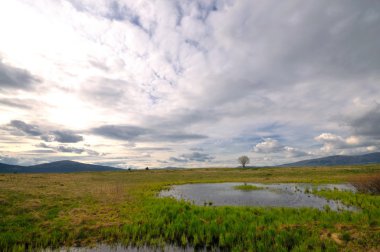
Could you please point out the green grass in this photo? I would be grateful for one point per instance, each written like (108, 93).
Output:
(246, 187)
(53, 210)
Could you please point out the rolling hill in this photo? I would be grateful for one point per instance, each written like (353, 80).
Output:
(55, 167)
(339, 160)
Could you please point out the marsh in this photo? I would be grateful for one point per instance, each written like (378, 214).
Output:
(264, 195)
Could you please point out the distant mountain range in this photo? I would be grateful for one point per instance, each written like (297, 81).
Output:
(55, 167)
(339, 160)
(71, 166)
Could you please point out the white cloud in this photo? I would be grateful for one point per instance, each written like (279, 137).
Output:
(328, 137)
(212, 68)
(268, 146)
(335, 144)
(352, 140)
(273, 146)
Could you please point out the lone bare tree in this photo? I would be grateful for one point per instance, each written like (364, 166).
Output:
(243, 160)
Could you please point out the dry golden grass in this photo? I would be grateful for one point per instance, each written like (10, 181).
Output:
(367, 183)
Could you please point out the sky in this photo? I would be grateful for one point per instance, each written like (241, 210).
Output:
(197, 83)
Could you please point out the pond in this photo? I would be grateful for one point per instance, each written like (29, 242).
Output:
(265, 195)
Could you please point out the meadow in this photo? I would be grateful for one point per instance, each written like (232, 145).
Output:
(85, 209)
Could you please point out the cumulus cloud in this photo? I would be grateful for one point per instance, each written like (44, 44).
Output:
(294, 152)
(328, 137)
(333, 143)
(362, 135)
(269, 145)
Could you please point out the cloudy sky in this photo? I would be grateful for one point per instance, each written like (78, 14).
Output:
(188, 83)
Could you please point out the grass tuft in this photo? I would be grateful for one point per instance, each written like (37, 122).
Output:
(246, 187)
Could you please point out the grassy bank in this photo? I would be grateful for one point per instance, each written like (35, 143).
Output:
(53, 210)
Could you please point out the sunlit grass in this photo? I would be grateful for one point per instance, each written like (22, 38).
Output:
(53, 210)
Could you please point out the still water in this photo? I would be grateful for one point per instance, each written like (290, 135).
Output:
(269, 195)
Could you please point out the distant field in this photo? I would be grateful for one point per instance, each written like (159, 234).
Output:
(82, 209)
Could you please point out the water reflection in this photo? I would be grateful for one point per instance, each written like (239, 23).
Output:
(272, 195)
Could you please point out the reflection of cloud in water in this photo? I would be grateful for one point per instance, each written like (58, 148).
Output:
(272, 195)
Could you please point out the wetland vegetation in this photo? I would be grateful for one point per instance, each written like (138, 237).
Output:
(84, 209)
(246, 187)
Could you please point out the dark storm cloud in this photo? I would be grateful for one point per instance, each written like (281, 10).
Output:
(367, 124)
(15, 78)
(134, 133)
(28, 129)
(194, 156)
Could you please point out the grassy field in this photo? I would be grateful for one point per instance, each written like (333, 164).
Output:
(81, 209)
